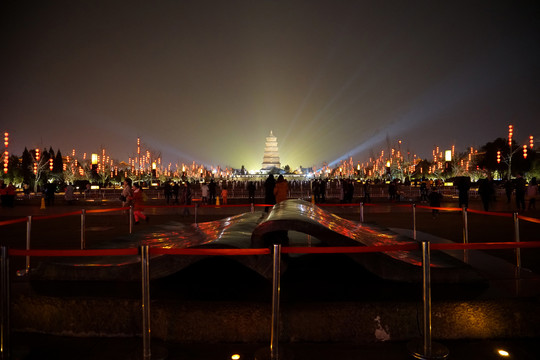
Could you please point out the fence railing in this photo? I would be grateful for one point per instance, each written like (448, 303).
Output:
(195, 206)
(424, 348)
(419, 349)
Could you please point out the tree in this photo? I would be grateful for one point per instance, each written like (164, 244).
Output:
(27, 166)
(58, 164)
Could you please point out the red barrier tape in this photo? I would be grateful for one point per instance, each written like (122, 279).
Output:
(285, 250)
(489, 213)
(486, 246)
(348, 249)
(526, 218)
(100, 252)
(42, 217)
(437, 208)
(14, 221)
(107, 210)
(163, 251)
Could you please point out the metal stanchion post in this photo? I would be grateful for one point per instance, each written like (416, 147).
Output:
(252, 208)
(516, 239)
(5, 326)
(196, 207)
(131, 219)
(465, 234)
(274, 353)
(28, 237)
(145, 264)
(426, 349)
(83, 229)
(274, 337)
(361, 212)
(414, 220)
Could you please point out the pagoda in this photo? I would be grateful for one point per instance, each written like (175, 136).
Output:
(271, 155)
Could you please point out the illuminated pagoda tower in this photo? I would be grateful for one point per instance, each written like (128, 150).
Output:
(271, 155)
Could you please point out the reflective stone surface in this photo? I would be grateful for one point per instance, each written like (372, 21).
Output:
(292, 221)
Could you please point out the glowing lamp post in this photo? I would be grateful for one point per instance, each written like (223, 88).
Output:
(95, 161)
(6, 153)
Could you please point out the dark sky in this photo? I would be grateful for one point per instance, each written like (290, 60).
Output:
(207, 81)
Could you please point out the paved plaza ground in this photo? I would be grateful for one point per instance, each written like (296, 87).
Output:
(64, 233)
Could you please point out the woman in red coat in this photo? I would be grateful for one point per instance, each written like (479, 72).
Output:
(281, 189)
(137, 199)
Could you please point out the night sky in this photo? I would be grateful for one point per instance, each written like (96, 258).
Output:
(207, 81)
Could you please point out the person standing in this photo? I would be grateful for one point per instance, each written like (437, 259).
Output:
(126, 193)
(269, 184)
(532, 191)
(520, 192)
(204, 193)
(251, 192)
(212, 192)
(485, 190)
(435, 198)
(224, 194)
(69, 195)
(464, 185)
(167, 191)
(367, 192)
(281, 189)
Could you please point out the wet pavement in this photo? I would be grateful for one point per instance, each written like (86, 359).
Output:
(446, 226)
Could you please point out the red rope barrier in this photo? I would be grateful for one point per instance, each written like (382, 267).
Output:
(106, 210)
(285, 250)
(486, 246)
(348, 249)
(438, 208)
(184, 251)
(489, 213)
(54, 253)
(43, 217)
(14, 221)
(526, 218)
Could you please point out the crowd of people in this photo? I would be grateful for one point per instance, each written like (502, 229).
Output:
(272, 190)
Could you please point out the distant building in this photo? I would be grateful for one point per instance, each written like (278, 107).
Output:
(271, 154)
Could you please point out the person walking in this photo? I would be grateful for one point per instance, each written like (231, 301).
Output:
(138, 198)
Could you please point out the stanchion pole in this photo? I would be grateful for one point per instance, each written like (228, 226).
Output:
(465, 226)
(145, 271)
(361, 212)
(426, 295)
(414, 220)
(28, 238)
(5, 326)
(274, 337)
(465, 233)
(83, 229)
(252, 208)
(196, 207)
(131, 219)
(516, 239)
(427, 349)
